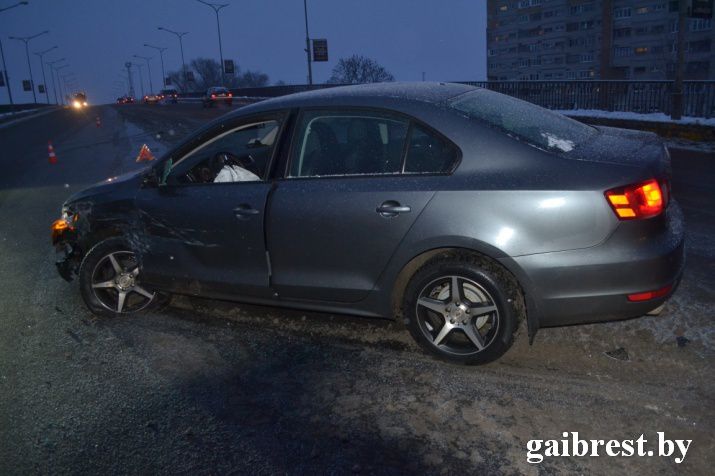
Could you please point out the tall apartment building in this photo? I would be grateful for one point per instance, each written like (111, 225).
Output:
(593, 39)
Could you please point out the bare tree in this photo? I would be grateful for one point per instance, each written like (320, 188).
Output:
(358, 69)
(207, 73)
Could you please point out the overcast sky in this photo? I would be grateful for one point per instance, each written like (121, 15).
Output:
(443, 38)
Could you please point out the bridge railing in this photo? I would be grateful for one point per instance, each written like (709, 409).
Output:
(619, 96)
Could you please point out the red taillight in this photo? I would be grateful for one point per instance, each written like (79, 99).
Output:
(637, 297)
(229, 94)
(643, 200)
(213, 96)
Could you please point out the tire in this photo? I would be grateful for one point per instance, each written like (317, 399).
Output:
(478, 329)
(101, 286)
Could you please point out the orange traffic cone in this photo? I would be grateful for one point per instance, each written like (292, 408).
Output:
(145, 154)
(51, 152)
(98, 122)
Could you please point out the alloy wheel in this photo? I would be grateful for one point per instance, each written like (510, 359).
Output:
(457, 315)
(115, 283)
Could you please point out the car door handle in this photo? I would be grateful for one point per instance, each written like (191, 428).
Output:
(392, 208)
(245, 211)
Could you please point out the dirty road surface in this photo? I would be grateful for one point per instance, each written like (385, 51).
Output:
(208, 387)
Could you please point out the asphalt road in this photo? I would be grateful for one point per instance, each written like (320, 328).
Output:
(206, 387)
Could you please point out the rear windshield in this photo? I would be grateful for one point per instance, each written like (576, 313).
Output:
(524, 121)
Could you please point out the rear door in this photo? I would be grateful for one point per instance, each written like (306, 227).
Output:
(345, 204)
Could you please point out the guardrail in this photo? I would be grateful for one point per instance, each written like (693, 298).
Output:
(626, 96)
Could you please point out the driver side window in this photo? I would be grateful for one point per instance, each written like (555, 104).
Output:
(241, 154)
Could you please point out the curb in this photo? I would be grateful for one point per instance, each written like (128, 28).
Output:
(48, 110)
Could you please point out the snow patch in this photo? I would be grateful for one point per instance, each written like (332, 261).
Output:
(563, 145)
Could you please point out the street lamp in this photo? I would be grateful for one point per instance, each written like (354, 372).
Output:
(148, 67)
(59, 83)
(141, 78)
(4, 66)
(51, 64)
(216, 7)
(179, 35)
(26, 40)
(42, 65)
(161, 55)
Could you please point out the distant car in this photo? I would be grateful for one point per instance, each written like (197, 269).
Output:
(217, 95)
(169, 95)
(461, 210)
(151, 99)
(125, 100)
(79, 100)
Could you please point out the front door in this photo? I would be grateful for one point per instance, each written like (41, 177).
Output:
(203, 229)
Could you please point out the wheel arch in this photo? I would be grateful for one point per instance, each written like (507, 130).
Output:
(496, 257)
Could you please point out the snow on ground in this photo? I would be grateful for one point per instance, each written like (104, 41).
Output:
(636, 116)
(17, 113)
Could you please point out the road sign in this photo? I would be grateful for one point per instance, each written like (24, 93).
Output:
(2, 79)
(26, 85)
(228, 67)
(702, 9)
(320, 50)
(41, 88)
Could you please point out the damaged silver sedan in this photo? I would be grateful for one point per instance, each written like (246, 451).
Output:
(460, 210)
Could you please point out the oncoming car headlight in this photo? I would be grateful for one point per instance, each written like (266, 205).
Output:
(76, 104)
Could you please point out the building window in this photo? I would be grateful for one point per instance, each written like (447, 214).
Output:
(571, 75)
(642, 10)
(639, 70)
(659, 7)
(492, 52)
(534, 76)
(587, 58)
(700, 24)
(621, 51)
(622, 12)
(621, 32)
(523, 18)
(504, 8)
(641, 50)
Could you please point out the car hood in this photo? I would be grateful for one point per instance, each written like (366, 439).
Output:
(111, 185)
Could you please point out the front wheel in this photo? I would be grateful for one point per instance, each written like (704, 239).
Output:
(110, 281)
(463, 309)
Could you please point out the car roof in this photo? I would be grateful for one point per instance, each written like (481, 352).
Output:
(366, 95)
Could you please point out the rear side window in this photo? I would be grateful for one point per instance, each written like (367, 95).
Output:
(428, 153)
(524, 121)
(348, 143)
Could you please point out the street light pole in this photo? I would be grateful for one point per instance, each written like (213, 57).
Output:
(59, 83)
(51, 64)
(4, 66)
(26, 40)
(148, 67)
(180, 36)
(216, 7)
(42, 65)
(161, 56)
(307, 43)
(141, 77)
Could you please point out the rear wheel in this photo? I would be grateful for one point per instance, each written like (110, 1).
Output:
(110, 281)
(462, 309)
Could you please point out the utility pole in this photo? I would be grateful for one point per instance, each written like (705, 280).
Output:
(4, 66)
(42, 65)
(161, 56)
(677, 110)
(180, 36)
(26, 40)
(128, 65)
(307, 44)
(51, 64)
(216, 7)
(148, 67)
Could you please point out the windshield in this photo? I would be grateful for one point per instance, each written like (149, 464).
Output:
(524, 121)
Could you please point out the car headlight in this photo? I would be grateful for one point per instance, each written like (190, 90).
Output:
(76, 104)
